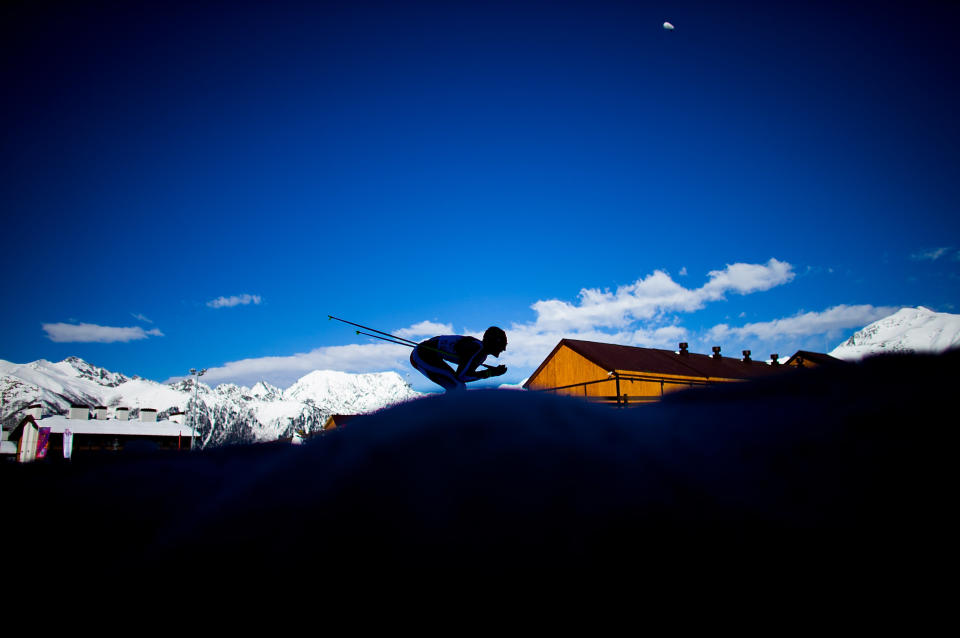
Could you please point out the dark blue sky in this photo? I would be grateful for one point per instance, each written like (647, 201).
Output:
(459, 162)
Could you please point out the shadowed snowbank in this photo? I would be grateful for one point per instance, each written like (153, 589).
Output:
(818, 465)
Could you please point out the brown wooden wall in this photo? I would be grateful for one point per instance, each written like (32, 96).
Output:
(567, 367)
(653, 386)
(647, 390)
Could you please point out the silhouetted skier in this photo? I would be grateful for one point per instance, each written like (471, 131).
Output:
(430, 357)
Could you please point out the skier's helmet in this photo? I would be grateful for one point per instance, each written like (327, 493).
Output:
(495, 339)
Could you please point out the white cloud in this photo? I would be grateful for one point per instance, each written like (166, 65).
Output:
(930, 255)
(683, 272)
(649, 298)
(91, 333)
(640, 314)
(936, 253)
(236, 300)
(747, 278)
(633, 315)
(283, 371)
(529, 345)
(830, 321)
(425, 329)
(140, 317)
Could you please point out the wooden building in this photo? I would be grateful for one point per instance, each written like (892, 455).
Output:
(628, 375)
(335, 421)
(807, 359)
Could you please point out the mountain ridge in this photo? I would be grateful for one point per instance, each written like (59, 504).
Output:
(226, 414)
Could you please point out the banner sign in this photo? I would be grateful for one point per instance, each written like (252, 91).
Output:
(67, 443)
(43, 442)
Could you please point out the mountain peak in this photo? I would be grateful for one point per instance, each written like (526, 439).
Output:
(354, 393)
(263, 390)
(90, 372)
(919, 329)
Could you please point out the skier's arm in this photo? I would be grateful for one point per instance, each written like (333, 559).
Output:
(470, 358)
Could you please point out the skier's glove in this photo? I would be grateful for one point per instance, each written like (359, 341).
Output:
(496, 372)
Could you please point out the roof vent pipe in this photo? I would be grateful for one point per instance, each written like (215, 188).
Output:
(746, 356)
(122, 414)
(773, 359)
(80, 412)
(148, 415)
(683, 348)
(716, 352)
(101, 412)
(35, 410)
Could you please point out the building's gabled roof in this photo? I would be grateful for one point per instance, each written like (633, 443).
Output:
(58, 424)
(818, 358)
(17, 432)
(731, 367)
(612, 357)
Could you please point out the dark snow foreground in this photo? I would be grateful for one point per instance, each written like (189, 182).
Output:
(813, 470)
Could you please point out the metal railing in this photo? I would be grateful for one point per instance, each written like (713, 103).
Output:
(623, 399)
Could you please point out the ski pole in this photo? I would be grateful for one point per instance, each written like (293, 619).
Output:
(399, 343)
(397, 340)
(412, 343)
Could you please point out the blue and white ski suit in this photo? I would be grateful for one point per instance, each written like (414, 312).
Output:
(430, 357)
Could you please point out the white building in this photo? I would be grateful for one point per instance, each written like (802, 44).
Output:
(65, 436)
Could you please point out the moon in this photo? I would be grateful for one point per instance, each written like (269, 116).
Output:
(667, 26)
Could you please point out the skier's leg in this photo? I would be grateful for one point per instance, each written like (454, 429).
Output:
(442, 375)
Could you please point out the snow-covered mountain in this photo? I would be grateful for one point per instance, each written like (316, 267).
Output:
(344, 393)
(226, 414)
(907, 330)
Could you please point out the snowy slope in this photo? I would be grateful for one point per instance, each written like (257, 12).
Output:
(226, 414)
(907, 330)
(55, 385)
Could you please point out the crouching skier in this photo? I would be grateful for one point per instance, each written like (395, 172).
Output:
(430, 356)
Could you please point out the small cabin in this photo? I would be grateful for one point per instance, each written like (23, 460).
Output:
(335, 421)
(807, 359)
(628, 375)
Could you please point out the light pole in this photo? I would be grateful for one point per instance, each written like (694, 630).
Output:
(196, 390)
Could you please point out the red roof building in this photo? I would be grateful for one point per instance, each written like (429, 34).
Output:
(807, 359)
(626, 374)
